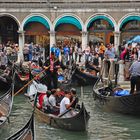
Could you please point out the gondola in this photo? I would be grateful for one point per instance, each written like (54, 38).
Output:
(92, 67)
(4, 80)
(25, 133)
(6, 102)
(125, 104)
(4, 84)
(21, 78)
(84, 78)
(76, 123)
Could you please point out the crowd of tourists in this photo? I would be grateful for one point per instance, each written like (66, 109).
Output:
(7, 51)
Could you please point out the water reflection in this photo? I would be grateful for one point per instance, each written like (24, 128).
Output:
(102, 125)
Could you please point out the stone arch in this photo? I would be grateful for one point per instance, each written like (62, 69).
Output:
(11, 16)
(100, 16)
(100, 28)
(70, 30)
(129, 26)
(128, 17)
(38, 18)
(37, 29)
(9, 26)
(69, 18)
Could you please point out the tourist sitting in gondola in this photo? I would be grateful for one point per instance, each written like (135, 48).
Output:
(66, 105)
(60, 95)
(75, 98)
(45, 102)
(54, 109)
(42, 100)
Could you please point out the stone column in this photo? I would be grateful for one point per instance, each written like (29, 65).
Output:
(52, 38)
(84, 40)
(121, 71)
(21, 45)
(116, 40)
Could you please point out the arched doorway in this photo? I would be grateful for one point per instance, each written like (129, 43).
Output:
(8, 30)
(129, 28)
(37, 31)
(101, 29)
(68, 31)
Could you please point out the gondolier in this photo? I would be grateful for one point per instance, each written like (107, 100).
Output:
(52, 71)
(135, 76)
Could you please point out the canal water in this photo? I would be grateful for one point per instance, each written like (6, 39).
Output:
(102, 125)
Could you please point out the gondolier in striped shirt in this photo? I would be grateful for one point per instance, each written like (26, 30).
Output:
(135, 76)
(52, 71)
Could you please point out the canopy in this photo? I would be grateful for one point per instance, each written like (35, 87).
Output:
(136, 39)
(38, 19)
(130, 18)
(69, 20)
(100, 17)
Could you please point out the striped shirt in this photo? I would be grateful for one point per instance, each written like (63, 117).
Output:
(135, 68)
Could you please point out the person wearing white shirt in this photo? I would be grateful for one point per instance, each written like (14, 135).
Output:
(52, 102)
(65, 105)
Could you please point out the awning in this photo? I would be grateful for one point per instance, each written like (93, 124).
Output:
(38, 19)
(69, 20)
(131, 18)
(100, 17)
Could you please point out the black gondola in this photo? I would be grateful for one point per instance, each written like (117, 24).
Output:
(84, 78)
(20, 80)
(5, 81)
(92, 67)
(4, 84)
(25, 133)
(126, 104)
(6, 102)
(76, 123)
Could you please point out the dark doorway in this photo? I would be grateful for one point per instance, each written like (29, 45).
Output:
(8, 30)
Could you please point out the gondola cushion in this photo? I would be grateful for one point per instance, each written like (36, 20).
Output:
(121, 92)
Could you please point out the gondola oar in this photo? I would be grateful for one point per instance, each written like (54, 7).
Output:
(64, 113)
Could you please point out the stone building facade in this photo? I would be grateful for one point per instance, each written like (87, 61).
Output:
(46, 21)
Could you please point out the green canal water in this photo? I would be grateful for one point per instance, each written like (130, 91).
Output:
(102, 125)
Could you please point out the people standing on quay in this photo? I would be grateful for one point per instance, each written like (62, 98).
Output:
(79, 53)
(135, 76)
(66, 52)
(101, 51)
(87, 53)
(127, 61)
